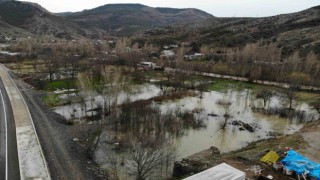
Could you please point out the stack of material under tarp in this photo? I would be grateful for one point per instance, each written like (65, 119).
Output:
(219, 172)
(301, 165)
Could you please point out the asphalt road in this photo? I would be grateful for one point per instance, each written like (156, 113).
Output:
(9, 163)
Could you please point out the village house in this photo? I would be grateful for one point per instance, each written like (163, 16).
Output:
(195, 56)
(168, 54)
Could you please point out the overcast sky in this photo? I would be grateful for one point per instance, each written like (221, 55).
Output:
(220, 8)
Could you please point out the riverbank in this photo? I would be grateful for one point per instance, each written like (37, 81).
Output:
(243, 79)
(305, 141)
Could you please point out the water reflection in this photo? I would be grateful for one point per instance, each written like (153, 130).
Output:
(232, 137)
(77, 110)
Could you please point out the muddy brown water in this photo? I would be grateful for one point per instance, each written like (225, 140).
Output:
(206, 109)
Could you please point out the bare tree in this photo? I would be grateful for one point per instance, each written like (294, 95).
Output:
(148, 156)
(51, 66)
(35, 63)
(133, 58)
(175, 81)
(85, 48)
(122, 44)
(264, 94)
(201, 88)
(112, 83)
(164, 87)
(73, 65)
(226, 110)
(288, 96)
(86, 87)
(296, 79)
(316, 105)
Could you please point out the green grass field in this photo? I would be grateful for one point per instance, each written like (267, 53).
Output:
(61, 84)
(52, 100)
(223, 84)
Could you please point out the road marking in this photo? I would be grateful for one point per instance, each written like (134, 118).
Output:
(6, 125)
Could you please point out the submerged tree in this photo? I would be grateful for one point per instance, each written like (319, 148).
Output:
(316, 105)
(288, 96)
(112, 83)
(226, 110)
(148, 156)
(264, 94)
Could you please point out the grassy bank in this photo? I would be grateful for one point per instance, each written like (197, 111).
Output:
(60, 84)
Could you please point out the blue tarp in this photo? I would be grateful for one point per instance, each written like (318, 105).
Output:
(300, 164)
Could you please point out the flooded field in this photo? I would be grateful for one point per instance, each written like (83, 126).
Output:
(203, 123)
(234, 136)
(76, 110)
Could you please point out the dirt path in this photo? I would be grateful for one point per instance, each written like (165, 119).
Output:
(66, 158)
(312, 151)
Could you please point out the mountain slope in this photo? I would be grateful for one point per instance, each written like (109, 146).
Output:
(6, 30)
(291, 32)
(35, 19)
(1, 1)
(63, 14)
(129, 18)
(295, 31)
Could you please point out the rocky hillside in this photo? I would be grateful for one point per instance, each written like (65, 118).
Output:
(37, 20)
(296, 31)
(164, 25)
(115, 19)
(130, 18)
(291, 32)
(7, 30)
(1, 1)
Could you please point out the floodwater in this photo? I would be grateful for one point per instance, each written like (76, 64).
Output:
(231, 138)
(211, 113)
(76, 110)
(4, 45)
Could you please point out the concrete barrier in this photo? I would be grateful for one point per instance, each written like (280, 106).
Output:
(31, 158)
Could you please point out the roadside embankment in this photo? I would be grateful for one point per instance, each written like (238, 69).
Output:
(32, 162)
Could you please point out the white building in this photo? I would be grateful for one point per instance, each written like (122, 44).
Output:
(220, 172)
(169, 53)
